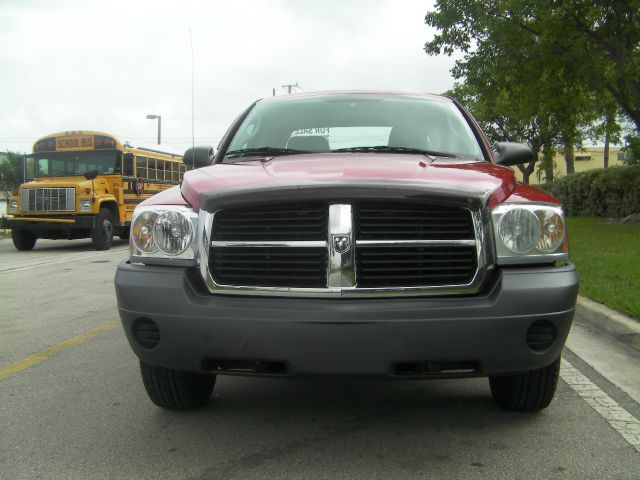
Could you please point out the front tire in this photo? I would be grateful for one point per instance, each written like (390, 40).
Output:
(175, 390)
(526, 392)
(23, 239)
(124, 234)
(102, 234)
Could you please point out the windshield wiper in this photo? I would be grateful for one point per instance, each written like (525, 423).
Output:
(386, 149)
(253, 152)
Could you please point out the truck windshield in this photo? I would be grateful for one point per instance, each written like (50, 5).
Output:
(355, 122)
(61, 164)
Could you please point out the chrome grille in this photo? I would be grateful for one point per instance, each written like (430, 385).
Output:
(413, 244)
(247, 249)
(48, 199)
(361, 248)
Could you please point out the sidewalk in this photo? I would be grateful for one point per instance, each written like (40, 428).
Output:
(616, 324)
(609, 342)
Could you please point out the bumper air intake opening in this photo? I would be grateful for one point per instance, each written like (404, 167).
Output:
(541, 335)
(249, 367)
(436, 368)
(146, 333)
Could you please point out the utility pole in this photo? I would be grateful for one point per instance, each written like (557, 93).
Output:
(289, 86)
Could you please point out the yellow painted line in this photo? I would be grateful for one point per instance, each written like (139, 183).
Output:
(47, 353)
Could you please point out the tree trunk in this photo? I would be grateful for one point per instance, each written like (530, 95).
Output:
(529, 168)
(606, 147)
(547, 161)
(527, 171)
(569, 157)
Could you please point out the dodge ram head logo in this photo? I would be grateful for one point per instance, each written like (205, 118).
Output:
(340, 243)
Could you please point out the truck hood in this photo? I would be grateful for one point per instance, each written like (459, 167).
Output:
(346, 175)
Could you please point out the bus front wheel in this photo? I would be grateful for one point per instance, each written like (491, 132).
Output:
(23, 239)
(102, 234)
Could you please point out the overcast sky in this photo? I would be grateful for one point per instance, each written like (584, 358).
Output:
(105, 65)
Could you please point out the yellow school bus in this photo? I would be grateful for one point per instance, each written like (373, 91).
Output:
(86, 184)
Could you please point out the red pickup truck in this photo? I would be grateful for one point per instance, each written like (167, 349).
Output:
(350, 233)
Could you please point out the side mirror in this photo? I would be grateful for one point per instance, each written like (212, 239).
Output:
(200, 156)
(91, 174)
(509, 153)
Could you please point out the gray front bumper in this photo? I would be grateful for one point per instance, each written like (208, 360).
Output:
(347, 336)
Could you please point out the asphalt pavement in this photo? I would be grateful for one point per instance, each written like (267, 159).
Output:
(72, 404)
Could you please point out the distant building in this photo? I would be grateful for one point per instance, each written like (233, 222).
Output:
(587, 158)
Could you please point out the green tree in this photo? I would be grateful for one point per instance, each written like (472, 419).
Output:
(10, 173)
(592, 44)
(544, 61)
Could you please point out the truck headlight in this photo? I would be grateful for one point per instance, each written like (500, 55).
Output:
(12, 207)
(85, 204)
(163, 235)
(533, 233)
(172, 233)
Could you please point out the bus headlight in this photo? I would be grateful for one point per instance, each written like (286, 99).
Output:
(532, 233)
(85, 204)
(12, 207)
(164, 235)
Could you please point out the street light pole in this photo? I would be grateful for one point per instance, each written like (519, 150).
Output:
(159, 118)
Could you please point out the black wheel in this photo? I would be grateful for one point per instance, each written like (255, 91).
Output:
(176, 390)
(526, 392)
(23, 239)
(124, 233)
(102, 234)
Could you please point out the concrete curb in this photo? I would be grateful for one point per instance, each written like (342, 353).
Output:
(604, 318)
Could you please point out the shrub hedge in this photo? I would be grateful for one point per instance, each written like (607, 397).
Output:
(611, 192)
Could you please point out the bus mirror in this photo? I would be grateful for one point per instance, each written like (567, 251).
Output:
(91, 174)
(200, 156)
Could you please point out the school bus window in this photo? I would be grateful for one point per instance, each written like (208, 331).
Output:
(174, 171)
(128, 165)
(29, 168)
(160, 168)
(183, 168)
(141, 167)
(151, 171)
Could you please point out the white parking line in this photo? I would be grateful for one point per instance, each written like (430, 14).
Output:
(62, 260)
(621, 420)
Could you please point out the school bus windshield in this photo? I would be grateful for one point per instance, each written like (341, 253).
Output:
(61, 164)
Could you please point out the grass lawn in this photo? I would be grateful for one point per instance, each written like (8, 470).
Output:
(608, 260)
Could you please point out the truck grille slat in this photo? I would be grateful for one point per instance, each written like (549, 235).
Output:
(409, 221)
(384, 266)
(279, 267)
(303, 222)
